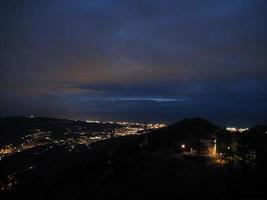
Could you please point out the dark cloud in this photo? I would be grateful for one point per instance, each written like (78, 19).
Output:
(136, 60)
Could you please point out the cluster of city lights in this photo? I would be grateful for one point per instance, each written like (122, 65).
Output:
(236, 130)
(125, 123)
(70, 140)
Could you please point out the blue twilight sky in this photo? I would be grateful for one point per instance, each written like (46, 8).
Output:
(136, 60)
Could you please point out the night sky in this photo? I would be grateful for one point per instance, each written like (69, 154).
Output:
(137, 60)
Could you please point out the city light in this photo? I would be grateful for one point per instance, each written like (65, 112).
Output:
(38, 137)
(236, 130)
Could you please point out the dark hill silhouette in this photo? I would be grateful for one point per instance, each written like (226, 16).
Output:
(258, 129)
(185, 130)
(198, 126)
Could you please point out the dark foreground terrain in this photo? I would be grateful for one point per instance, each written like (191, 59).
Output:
(131, 167)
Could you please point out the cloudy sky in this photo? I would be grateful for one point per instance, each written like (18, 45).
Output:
(137, 60)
